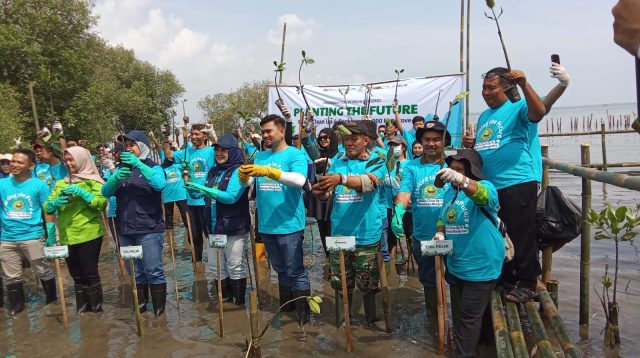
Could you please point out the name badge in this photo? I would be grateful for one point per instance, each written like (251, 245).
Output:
(131, 252)
(436, 247)
(56, 252)
(217, 241)
(341, 243)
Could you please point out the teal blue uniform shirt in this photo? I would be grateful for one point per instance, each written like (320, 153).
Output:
(280, 208)
(502, 140)
(536, 151)
(410, 137)
(478, 246)
(21, 208)
(41, 172)
(357, 214)
(426, 198)
(201, 160)
(174, 190)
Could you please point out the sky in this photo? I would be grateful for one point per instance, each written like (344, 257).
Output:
(216, 46)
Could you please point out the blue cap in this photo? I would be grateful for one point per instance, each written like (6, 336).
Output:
(227, 141)
(137, 136)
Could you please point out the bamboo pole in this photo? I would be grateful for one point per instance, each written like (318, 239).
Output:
(253, 310)
(33, 106)
(515, 332)
(220, 308)
(175, 275)
(345, 303)
(461, 35)
(441, 307)
(191, 237)
(63, 303)
(617, 179)
(121, 268)
(552, 288)
(543, 345)
(284, 34)
(501, 333)
(254, 255)
(466, 100)
(603, 140)
(614, 165)
(382, 271)
(136, 307)
(586, 132)
(585, 245)
(547, 252)
(551, 313)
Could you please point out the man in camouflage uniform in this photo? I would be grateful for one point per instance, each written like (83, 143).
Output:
(352, 184)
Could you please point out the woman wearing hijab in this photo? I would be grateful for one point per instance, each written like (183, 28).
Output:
(229, 217)
(137, 185)
(322, 154)
(78, 201)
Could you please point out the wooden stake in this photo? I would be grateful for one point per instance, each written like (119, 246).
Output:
(136, 308)
(175, 275)
(345, 303)
(385, 292)
(253, 310)
(121, 268)
(63, 303)
(220, 309)
(252, 235)
(443, 284)
(191, 240)
(441, 307)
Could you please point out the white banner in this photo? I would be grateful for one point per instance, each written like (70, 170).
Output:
(416, 96)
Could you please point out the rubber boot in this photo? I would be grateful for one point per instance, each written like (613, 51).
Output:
(1, 294)
(238, 290)
(286, 295)
(369, 303)
(455, 304)
(431, 301)
(302, 307)
(159, 298)
(387, 270)
(49, 287)
(226, 289)
(94, 296)
(143, 296)
(81, 299)
(15, 294)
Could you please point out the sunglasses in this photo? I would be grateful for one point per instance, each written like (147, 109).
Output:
(490, 75)
(323, 137)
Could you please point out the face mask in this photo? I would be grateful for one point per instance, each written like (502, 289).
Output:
(397, 150)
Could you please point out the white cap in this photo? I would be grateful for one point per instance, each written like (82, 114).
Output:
(6, 157)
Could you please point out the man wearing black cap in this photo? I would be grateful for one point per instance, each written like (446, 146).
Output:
(417, 187)
(502, 139)
(353, 183)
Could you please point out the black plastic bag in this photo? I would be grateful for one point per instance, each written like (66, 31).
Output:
(558, 219)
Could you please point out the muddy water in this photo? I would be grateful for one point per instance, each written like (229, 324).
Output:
(192, 331)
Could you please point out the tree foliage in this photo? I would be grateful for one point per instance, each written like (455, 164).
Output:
(77, 77)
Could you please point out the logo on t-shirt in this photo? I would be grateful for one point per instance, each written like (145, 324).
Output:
(18, 206)
(346, 195)
(457, 219)
(427, 194)
(200, 168)
(489, 135)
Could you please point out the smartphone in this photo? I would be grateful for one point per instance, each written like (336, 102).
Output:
(555, 58)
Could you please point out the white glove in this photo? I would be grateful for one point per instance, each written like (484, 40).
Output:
(439, 236)
(18, 142)
(560, 73)
(106, 162)
(208, 129)
(449, 175)
(57, 127)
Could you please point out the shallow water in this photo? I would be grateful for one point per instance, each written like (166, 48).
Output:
(193, 330)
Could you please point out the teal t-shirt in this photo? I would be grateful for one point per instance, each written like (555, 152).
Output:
(410, 137)
(111, 208)
(201, 161)
(426, 198)
(353, 213)
(21, 208)
(58, 172)
(478, 246)
(231, 195)
(42, 172)
(174, 190)
(280, 208)
(382, 192)
(502, 140)
(536, 151)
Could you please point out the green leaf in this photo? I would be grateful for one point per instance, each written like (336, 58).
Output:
(344, 130)
(391, 161)
(310, 61)
(318, 299)
(275, 63)
(304, 54)
(629, 236)
(611, 214)
(600, 236)
(402, 70)
(373, 162)
(491, 3)
(621, 212)
(313, 305)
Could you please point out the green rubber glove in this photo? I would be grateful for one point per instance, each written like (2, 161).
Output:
(51, 235)
(131, 159)
(211, 193)
(55, 204)
(75, 190)
(187, 168)
(396, 221)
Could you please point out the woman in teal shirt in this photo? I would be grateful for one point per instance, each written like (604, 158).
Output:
(469, 211)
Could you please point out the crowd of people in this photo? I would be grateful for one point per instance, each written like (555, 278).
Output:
(57, 193)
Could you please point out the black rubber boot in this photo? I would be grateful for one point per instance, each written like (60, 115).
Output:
(286, 295)
(369, 303)
(226, 289)
(238, 290)
(94, 296)
(81, 299)
(1, 294)
(302, 307)
(143, 296)
(159, 298)
(15, 294)
(431, 302)
(49, 287)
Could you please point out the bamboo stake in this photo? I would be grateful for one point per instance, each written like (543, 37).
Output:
(192, 242)
(466, 101)
(284, 33)
(252, 235)
(585, 246)
(385, 292)
(441, 307)
(63, 303)
(253, 310)
(33, 106)
(515, 332)
(539, 332)
(121, 267)
(136, 308)
(345, 304)
(220, 308)
(175, 275)
(300, 124)
(500, 331)
(550, 311)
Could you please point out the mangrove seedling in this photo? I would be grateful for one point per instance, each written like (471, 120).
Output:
(511, 91)
(398, 72)
(367, 100)
(435, 114)
(279, 68)
(619, 224)
(308, 111)
(344, 95)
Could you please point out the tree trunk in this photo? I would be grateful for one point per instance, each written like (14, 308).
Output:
(612, 331)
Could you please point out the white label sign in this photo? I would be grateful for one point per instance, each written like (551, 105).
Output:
(341, 243)
(131, 252)
(436, 247)
(218, 241)
(56, 252)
